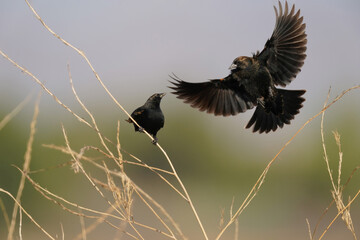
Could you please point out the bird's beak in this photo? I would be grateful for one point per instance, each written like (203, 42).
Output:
(233, 66)
(162, 95)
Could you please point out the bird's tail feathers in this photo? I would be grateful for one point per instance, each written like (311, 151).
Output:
(278, 112)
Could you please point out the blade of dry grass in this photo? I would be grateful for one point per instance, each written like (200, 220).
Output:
(82, 224)
(157, 216)
(324, 146)
(332, 202)
(82, 54)
(27, 214)
(76, 159)
(121, 176)
(339, 213)
(14, 112)
(337, 188)
(108, 150)
(62, 232)
(89, 125)
(26, 167)
(309, 228)
(118, 148)
(261, 179)
(94, 225)
(20, 225)
(6, 216)
(46, 192)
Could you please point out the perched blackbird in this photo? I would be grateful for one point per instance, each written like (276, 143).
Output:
(149, 116)
(253, 79)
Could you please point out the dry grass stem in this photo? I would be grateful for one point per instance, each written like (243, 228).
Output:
(14, 112)
(261, 179)
(82, 224)
(123, 109)
(94, 225)
(77, 161)
(236, 234)
(62, 232)
(309, 229)
(153, 169)
(222, 218)
(124, 178)
(339, 213)
(337, 188)
(91, 116)
(124, 190)
(27, 214)
(82, 54)
(91, 160)
(122, 214)
(118, 148)
(46, 193)
(26, 168)
(171, 235)
(6, 216)
(24, 70)
(20, 225)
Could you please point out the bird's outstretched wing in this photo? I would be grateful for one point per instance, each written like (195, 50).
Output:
(284, 52)
(221, 97)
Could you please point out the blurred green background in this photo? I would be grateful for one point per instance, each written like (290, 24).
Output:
(134, 46)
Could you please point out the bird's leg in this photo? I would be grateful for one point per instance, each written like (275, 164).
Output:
(141, 130)
(155, 140)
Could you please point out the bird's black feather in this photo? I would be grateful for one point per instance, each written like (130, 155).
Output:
(253, 79)
(149, 116)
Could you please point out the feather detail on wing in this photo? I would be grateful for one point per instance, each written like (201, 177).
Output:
(284, 52)
(219, 96)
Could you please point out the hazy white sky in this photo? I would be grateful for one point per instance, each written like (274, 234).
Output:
(134, 45)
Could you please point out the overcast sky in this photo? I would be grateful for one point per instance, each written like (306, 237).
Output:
(134, 45)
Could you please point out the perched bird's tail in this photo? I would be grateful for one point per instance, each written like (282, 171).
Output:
(278, 112)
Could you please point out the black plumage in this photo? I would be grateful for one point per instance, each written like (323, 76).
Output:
(149, 116)
(253, 79)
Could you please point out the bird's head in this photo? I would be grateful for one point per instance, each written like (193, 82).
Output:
(155, 99)
(240, 63)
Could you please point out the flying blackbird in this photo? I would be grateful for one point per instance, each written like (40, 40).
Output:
(149, 116)
(253, 79)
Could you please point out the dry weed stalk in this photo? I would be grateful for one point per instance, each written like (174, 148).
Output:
(26, 213)
(188, 199)
(6, 216)
(26, 168)
(14, 112)
(262, 177)
(337, 191)
(142, 194)
(123, 196)
(82, 223)
(94, 126)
